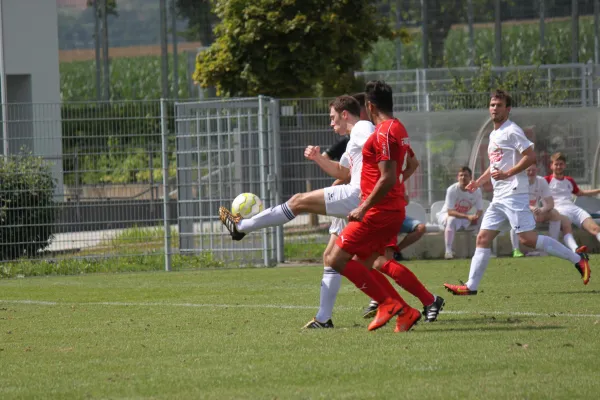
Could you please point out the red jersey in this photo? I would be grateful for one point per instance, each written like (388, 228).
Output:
(389, 142)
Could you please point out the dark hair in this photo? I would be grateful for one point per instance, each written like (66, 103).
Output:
(360, 97)
(380, 94)
(558, 156)
(346, 103)
(466, 169)
(502, 95)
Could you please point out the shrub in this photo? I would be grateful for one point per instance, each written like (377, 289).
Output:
(27, 207)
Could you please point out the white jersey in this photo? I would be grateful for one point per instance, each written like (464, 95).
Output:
(563, 189)
(538, 190)
(358, 136)
(504, 151)
(462, 200)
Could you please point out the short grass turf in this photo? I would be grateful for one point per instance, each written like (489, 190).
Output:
(532, 332)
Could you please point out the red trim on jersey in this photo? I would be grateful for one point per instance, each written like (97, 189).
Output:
(570, 179)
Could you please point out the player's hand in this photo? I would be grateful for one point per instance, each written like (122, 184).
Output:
(312, 152)
(473, 219)
(499, 175)
(356, 215)
(537, 211)
(472, 186)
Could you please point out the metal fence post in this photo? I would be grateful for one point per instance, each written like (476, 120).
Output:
(165, 174)
(262, 160)
(428, 150)
(277, 170)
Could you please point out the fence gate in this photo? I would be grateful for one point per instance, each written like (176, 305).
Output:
(224, 148)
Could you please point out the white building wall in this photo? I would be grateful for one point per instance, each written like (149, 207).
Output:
(30, 36)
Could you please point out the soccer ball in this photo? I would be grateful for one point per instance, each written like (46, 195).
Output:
(247, 205)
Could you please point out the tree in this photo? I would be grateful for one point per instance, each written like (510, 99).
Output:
(288, 47)
(201, 20)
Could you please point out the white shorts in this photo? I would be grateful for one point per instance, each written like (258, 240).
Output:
(576, 214)
(453, 222)
(337, 226)
(509, 212)
(341, 199)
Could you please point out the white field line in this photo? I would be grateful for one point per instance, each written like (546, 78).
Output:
(275, 306)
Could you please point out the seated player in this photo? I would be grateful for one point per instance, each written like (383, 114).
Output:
(539, 193)
(563, 188)
(455, 215)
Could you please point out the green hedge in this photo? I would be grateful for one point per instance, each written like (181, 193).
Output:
(27, 207)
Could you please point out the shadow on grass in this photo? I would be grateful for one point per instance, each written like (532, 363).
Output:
(498, 328)
(582, 291)
(443, 319)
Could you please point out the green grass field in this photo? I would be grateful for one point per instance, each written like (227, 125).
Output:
(532, 332)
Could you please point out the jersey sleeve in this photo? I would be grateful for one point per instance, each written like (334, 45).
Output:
(345, 160)
(575, 187)
(336, 150)
(520, 141)
(450, 198)
(544, 188)
(393, 144)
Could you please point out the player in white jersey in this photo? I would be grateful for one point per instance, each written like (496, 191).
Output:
(455, 215)
(336, 200)
(510, 153)
(539, 194)
(563, 188)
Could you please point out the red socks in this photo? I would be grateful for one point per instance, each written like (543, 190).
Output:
(408, 281)
(389, 288)
(361, 277)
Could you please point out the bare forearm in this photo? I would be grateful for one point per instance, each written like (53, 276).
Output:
(382, 187)
(547, 204)
(411, 167)
(591, 192)
(332, 168)
(456, 214)
(483, 178)
(522, 165)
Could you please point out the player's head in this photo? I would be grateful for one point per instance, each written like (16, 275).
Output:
(378, 99)
(558, 164)
(360, 97)
(500, 104)
(464, 176)
(532, 171)
(341, 110)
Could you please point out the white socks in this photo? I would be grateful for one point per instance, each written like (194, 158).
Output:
(554, 229)
(598, 237)
(479, 263)
(570, 241)
(553, 247)
(273, 216)
(330, 286)
(449, 238)
(514, 239)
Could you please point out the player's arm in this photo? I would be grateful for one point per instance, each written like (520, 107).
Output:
(331, 168)
(411, 166)
(385, 183)
(453, 213)
(547, 204)
(483, 178)
(335, 151)
(589, 192)
(341, 181)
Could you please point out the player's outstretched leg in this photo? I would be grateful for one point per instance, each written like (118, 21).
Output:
(557, 249)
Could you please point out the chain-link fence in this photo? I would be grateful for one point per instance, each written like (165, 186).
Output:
(143, 180)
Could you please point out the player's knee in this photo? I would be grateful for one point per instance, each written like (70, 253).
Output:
(295, 203)
(421, 229)
(483, 240)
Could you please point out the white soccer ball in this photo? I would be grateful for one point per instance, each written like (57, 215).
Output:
(247, 205)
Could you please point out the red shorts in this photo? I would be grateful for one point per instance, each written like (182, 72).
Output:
(378, 230)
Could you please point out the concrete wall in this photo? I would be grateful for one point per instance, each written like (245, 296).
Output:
(30, 36)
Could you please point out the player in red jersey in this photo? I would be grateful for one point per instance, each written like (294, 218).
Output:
(375, 223)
